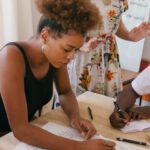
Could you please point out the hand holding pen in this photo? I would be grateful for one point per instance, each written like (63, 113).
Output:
(119, 118)
(119, 110)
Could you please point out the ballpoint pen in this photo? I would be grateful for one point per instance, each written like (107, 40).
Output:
(90, 113)
(119, 110)
(133, 141)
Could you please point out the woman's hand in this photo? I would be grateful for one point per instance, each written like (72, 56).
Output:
(85, 127)
(140, 32)
(97, 144)
(117, 121)
(139, 113)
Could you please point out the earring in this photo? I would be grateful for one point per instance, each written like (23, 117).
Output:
(43, 47)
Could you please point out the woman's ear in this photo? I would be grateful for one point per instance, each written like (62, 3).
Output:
(45, 35)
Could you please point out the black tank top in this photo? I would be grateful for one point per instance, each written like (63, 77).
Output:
(38, 92)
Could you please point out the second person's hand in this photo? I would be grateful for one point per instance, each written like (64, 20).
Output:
(139, 113)
(117, 121)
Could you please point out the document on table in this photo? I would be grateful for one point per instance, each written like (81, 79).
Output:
(136, 126)
(71, 133)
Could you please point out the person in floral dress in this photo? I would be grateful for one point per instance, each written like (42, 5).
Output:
(97, 65)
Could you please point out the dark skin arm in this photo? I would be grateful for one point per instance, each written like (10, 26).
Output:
(70, 106)
(126, 100)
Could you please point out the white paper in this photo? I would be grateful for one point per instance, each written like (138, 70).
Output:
(136, 126)
(73, 134)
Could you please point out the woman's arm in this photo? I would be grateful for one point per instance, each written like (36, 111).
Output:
(134, 35)
(123, 32)
(67, 98)
(12, 92)
(126, 99)
(69, 104)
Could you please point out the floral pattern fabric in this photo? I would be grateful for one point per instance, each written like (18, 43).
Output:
(96, 66)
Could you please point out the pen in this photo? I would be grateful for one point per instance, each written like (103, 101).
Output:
(119, 110)
(132, 141)
(90, 113)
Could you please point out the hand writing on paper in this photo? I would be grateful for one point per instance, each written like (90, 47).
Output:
(138, 113)
(140, 32)
(84, 126)
(117, 121)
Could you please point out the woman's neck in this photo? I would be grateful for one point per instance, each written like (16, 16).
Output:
(34, 53)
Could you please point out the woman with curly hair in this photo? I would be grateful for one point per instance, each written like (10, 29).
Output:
(28, 69)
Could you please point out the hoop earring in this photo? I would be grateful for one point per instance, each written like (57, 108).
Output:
(43, 47)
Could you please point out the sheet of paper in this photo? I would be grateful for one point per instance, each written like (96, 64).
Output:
(73, 134)
(136, 126)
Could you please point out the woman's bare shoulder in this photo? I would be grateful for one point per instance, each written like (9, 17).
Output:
(11, 59)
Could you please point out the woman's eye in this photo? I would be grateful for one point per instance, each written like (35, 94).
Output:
(70, 50)
(76, 50)
(67, 50)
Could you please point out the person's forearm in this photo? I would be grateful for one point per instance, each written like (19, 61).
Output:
(127, 97)
(123, 32)
(38, 137)
(70, 105)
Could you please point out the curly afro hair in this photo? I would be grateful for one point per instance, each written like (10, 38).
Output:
(78, 15)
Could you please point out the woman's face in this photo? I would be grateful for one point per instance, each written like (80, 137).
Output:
(59, 51)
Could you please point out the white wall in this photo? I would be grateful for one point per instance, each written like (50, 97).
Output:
(146, 50)
(35, 16)
(28, 20)
(24, 19)
(131, 52)
(18, 20)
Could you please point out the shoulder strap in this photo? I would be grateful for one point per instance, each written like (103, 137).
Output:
(22, 51)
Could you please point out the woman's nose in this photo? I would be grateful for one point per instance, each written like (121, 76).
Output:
(71, 55)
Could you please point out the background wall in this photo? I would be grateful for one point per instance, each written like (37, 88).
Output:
(131, 52)
(18, 20)
(25, 17)
(35, 16)
(146, 50)
(28, 18)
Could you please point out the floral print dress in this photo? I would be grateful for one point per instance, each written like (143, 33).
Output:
(96, 66)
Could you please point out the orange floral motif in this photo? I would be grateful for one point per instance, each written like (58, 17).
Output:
(112, 13)
(110, 75)
(126, 4)
(85, 78)
(111, 39)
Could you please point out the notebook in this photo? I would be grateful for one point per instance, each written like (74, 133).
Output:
(136, 126)
(71, 133)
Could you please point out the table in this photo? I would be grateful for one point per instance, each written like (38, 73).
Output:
(101, 106)
(128, 76)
